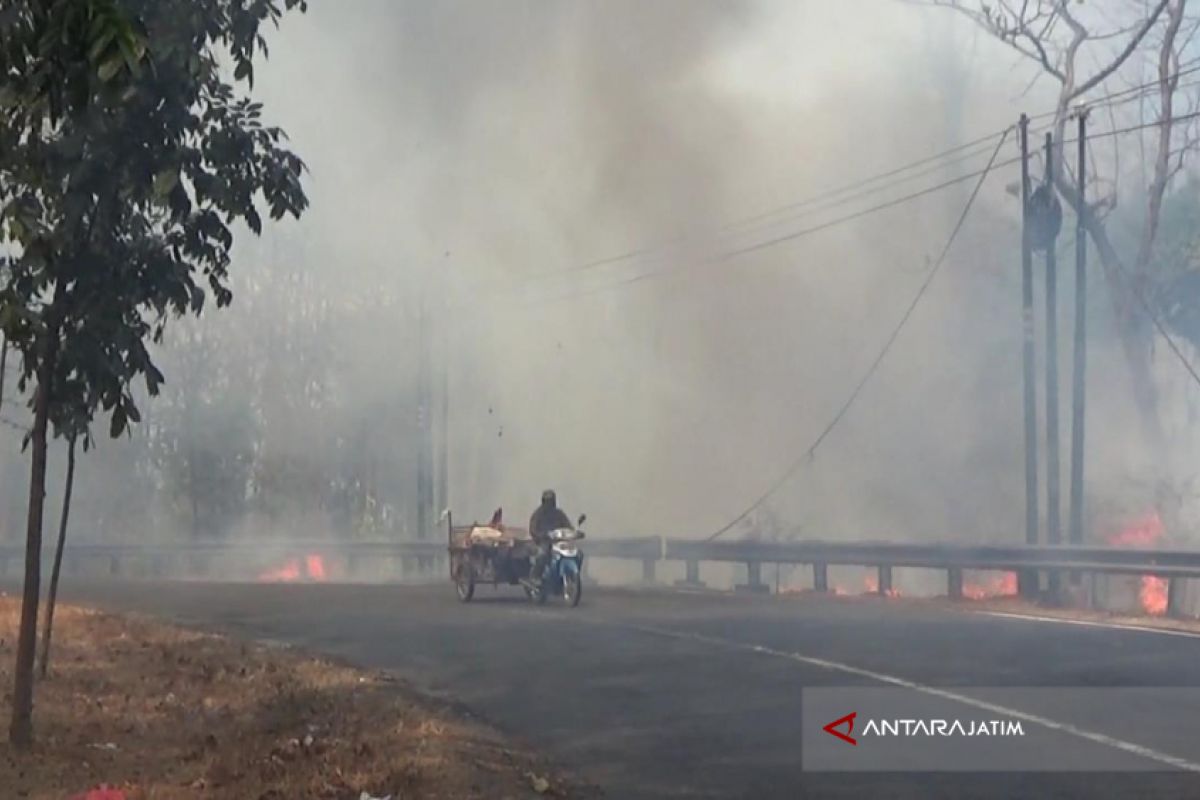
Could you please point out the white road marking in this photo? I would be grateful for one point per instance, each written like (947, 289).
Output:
(1112, 626)
(983, 705)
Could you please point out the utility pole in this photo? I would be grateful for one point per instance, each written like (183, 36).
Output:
(1028, 578)
(1053, 469)
(424, 425)
(443, 484)
(1078, 383)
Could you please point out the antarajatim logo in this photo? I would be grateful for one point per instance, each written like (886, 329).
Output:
(848, 721)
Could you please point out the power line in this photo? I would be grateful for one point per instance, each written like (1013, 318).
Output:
(831, 193)
(973, 146)
(887, 346)
(794, 235)
(1129, 94)
(722, 258)
(728, 255)
(1148, 308)
(808, 455)
(1158, 323)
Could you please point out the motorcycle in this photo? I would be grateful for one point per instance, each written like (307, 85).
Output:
(564, 572)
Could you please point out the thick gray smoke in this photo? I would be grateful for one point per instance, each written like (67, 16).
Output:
(462, 150)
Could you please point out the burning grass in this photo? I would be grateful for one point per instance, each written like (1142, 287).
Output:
(995, 584)
(310, 568)
(164, 713)
(871, 586)
(1146, 532)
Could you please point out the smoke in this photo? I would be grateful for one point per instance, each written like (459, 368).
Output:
(460, 151)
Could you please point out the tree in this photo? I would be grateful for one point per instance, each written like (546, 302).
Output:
(52, 596)
(1060, 37)
(1177, 285)
(127, 156)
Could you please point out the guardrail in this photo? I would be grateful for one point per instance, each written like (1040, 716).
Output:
(159, 558)
(1174, 565)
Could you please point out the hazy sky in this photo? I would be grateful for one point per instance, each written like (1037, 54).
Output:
(459, 148)
(489, 141)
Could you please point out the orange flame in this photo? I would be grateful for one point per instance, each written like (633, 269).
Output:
(1146, 532)
(286, 574)
(871, 586)
(1002, 585)
(1153, 595)
(290, 572)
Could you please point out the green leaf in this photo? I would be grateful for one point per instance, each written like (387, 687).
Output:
(101, 44)
(131, 53)
(254, 221)
(111, 68)
(154, 379)
(118, 423)
(165, 182)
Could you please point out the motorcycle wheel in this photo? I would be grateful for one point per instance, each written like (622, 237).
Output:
(534, 595)
(464, 585)
(572, 589)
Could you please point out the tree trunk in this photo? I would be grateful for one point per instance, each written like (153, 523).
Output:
(58, 556)
(3, 366)
(20, 733)
(1134, 343)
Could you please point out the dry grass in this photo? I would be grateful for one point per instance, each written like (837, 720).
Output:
(168, 713)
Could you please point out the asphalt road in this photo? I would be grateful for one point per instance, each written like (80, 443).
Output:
(663, 695)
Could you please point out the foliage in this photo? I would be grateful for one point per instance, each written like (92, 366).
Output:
(120, 192)
(1176, 277)
(127, 156)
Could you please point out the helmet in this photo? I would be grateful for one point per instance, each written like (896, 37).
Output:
(549, 498)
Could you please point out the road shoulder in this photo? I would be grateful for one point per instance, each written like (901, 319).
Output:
(160, 711)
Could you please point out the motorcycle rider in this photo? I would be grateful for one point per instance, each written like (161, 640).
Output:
(546, 517)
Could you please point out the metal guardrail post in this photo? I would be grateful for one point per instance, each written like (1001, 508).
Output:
(1028, 583)
(692, 581)
(885, 579)
(753, 580)
(820, 577)
(954, 583)
(1175, 597)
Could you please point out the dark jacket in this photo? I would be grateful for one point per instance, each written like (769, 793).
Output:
(545, 520)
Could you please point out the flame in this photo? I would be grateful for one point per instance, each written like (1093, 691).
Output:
(871, 586)
(316, 567)
(1153, 595)
(1146, 532)
(286, 574)
(1002, 585)
(291, 571)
